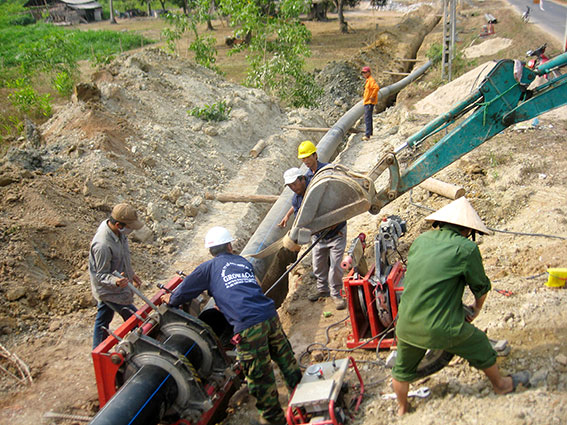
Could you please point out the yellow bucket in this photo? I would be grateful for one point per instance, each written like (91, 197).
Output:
(556, 278)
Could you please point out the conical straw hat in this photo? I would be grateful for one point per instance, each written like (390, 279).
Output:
(459, 212)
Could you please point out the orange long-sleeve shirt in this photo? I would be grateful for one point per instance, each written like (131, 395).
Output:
(370, 91)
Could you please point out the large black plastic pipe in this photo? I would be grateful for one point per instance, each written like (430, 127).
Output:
(270, 268)
(141, 400)
(149, 393)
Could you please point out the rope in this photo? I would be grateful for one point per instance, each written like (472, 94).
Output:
(544, 235)
(321, 236)
(488, 103)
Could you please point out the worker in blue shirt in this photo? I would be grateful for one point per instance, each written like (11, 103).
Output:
(297, 182)
(328, 253)
(259, 336)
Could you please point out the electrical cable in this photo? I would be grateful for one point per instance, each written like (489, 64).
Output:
(527, 234)
(309, 349)
(492, 229)
(381, 339)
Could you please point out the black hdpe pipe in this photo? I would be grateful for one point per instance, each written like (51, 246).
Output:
(148, 394)
(269, 269)
(141, 400)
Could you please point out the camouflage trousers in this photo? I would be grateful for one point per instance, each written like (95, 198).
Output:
(259, 344)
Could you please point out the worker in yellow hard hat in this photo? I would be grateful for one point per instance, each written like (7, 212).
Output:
(328, 252)
(307, 152)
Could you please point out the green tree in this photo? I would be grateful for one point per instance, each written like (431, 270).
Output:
(203, 45)
(277, 49)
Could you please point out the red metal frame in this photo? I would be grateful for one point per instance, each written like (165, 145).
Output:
(296, 416)
(105, 369)
(364, 328)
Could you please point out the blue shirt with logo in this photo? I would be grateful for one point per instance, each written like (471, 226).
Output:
(230, 280)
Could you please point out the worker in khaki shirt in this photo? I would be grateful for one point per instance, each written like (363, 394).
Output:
(110, 269)
(441, 263)
(369, 99)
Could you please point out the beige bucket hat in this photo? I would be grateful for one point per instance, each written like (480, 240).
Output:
(461, 213)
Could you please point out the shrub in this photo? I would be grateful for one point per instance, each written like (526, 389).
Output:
(27, 100)
(215, 112)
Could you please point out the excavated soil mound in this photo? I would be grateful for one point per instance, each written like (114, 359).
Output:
(487, 48)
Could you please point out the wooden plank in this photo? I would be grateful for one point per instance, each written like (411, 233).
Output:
(447, 190)
(236, 197)
(258, 147)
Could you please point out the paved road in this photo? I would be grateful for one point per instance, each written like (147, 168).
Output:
(552, 19)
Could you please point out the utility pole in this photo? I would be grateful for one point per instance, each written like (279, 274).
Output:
(449, 30)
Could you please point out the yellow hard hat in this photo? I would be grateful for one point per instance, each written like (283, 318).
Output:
(306, 149)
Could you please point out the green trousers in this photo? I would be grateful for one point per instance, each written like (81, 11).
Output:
(258, 346)
(476, 349)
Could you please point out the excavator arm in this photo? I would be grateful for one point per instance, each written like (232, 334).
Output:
(502, 99)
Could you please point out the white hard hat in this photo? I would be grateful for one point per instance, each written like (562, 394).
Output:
(459, 212)
(291, 175)
(217, 236)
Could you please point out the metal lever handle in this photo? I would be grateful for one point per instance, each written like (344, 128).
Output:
(422, 392)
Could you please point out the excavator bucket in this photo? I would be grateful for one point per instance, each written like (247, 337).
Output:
(335, 194)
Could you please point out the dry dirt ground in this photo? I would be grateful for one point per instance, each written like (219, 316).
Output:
(133, 141)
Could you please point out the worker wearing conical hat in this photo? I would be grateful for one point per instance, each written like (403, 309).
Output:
(441, 263)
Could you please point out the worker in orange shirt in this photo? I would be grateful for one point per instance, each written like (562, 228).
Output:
(369, 99)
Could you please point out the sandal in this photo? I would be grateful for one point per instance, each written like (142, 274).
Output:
(522, 377)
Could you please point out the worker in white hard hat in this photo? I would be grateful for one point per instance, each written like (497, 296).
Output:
(258, 334)
(328, 253)
(440, 264)
(297, 182)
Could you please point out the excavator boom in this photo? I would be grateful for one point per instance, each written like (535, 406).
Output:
(503, 98)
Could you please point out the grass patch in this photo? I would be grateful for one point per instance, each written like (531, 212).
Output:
(39, 65)
(17, 40)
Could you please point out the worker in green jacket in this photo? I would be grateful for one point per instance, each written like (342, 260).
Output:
(441, 263)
